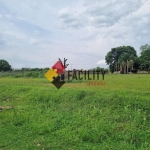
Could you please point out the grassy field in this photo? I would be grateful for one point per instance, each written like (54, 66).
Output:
(114, 116)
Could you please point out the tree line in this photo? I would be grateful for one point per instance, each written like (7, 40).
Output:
(124, 59)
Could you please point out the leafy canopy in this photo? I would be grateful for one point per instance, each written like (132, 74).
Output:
(121, 52)
(4, 65)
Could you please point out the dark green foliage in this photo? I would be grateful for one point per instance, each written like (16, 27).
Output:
(99, 69)
(145, 58)
(126, 59)
(136, 63)
(120, 55)
(134, 70)
(111, 68)
(4, 65)
(115, 53)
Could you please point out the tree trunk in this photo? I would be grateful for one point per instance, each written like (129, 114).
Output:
(120, 68)
(130, 69)
(127, 66)
(124, 69)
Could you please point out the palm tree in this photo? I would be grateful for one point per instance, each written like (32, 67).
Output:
(121, 64)
(131, 63)
(126, 62)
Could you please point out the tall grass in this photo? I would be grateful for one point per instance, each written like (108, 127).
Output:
(77, 116)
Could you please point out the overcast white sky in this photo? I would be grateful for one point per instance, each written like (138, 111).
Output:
(35, 33)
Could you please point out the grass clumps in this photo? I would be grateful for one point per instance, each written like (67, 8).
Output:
(77, 116)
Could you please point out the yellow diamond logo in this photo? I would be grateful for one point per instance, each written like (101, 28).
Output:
(50, 74)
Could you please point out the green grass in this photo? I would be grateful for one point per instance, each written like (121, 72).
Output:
(76, 117)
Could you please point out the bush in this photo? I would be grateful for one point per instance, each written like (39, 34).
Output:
(4, 65)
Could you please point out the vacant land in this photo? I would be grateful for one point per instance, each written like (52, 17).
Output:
(34, 115)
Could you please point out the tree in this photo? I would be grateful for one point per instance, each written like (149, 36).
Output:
(4, 65)
(119, 58)
(145, 57)
(112, 69)
(136, 64)
(115, 53)
(143, 48)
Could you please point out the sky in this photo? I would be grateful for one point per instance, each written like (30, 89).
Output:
(35, 33)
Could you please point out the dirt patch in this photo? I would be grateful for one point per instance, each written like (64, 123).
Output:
(6, 107)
